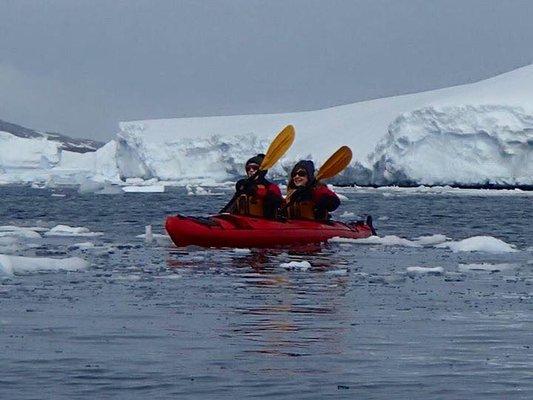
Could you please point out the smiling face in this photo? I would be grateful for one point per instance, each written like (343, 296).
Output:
(251, 169)
(300, 177)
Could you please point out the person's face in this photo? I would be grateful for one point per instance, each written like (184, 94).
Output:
(251, 169)
(300, 177)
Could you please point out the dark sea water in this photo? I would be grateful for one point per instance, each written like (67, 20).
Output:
(153, 321)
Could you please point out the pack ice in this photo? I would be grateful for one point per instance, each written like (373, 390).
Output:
(480, 134)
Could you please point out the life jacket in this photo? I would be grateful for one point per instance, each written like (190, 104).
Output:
(250, 204)
(300, 209)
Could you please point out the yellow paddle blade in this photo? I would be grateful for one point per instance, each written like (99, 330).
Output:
(335, 164)
(278, 147)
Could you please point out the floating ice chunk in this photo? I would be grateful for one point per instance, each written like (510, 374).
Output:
(390, 240)
(200, 191)
(82, 246)
(144, 189)
(487, 244)
(169, 276)
(58, 195)
(242, 251)
(337, 272)
(296, 265)
(425, 270)
(17, 231)
(65, 230)
(10, 265)
(9, 244)
(431, 240)
(486, 267)
(347, 214)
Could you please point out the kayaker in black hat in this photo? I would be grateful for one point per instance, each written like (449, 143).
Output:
(307, 198)
(257, 196)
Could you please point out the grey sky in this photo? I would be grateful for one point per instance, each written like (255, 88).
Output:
(79, 67)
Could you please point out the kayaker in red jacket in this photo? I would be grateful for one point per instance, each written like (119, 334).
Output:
(257, 197)
(307, 198)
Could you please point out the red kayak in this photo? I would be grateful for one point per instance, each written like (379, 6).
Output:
(227, 230)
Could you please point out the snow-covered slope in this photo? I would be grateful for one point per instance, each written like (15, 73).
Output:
(472, 135)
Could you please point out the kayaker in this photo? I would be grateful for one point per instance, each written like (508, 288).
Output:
(257, 196)
(307, 198)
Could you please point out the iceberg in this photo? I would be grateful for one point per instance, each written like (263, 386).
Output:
(474, 135)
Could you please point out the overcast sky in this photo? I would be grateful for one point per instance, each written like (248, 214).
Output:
(79, 67)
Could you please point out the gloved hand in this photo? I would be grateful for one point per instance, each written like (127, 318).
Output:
(245, 186)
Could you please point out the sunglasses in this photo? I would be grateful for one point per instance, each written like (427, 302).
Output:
(300, 173)
(252, 167)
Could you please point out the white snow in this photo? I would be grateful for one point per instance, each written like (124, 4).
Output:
(296, 265)
(487, 244)
(475, 134)
(65, 230)
(10, 265)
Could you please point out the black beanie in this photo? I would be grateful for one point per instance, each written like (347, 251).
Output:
(306, 165)
(258, 159)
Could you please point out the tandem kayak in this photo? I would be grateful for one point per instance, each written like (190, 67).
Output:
(227, 230)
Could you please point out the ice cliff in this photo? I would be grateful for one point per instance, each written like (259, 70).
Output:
(479, 134)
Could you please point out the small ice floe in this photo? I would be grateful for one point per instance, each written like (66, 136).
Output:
(144, 189)
(487, 244)
(21, 232)
(390, 240)
(424, 270)
(81, 246)
(89, 186)
(337, 272)
(241, 251)
(487, 267)
(200, 191)
(10, 265)
(58, 195)
(9, 244)
(431, 240)
(347, 214)
(150, 237)
(169, 276)
(65, 230)
(296, 265)
(383, 218)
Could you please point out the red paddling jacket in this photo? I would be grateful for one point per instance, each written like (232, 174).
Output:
(314, 201)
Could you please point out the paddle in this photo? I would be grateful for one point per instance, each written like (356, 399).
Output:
(276, 150)
(333, 166)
